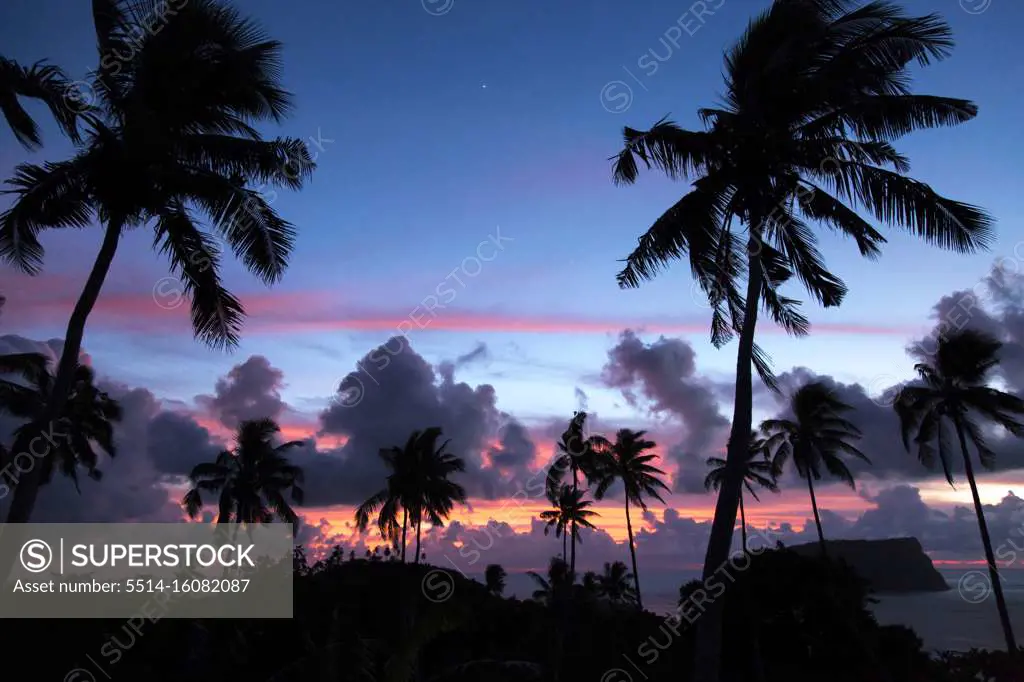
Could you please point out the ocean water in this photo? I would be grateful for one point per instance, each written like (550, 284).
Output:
(965, 617)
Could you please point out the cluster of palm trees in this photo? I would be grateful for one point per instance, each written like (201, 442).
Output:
(614, 584)
(417, 487)
(602, 464)
(816, 93)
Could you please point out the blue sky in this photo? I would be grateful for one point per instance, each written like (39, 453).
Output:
(436, 129)
(438, 125)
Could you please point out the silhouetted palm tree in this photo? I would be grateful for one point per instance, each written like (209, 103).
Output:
(87, 421)
(955, 392)
(494, 577)
(628, 460)
(579, 454)
(418, 484)
(43, 82)
(172, 140)
(252, 479)
(558, 584)
(818, 436)
(569, 515)
(399, 493)
(614, 584)
(436, 495)
(757, 470)
(814, 94)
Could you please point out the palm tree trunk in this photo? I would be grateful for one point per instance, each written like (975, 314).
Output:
(405, 526)
(27, 489)
(986, 541)
(419, 524)
(743, 523)
(572, 540)
(707, 661)
(565, 538)
(817, 518)
(632, 555)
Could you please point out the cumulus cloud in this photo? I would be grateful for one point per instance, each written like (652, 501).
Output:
(662, 378)
(393, 390)
(251, 390)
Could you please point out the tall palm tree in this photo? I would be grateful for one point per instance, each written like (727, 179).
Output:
(252, 478)
(816, 438)
(87, 420)
(397, 494)
(954, 392)
(571, 513)
(614, 583)
(579, 454)
(627, 460)
(172, 141)
(757, 470)
(434, 494)
(815, 93)
(494, 577)
(43, 82)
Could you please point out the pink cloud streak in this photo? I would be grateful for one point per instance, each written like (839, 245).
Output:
(47, 301)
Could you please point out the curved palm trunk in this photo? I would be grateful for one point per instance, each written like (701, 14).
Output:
(419, 524)
(707, 660)
(743, 523)
(817, 518)
(986, 541)
(632, 555)
(405, 526)
(27, 490)
(572, 540)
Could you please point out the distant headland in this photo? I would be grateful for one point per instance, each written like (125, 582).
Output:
(897, 565)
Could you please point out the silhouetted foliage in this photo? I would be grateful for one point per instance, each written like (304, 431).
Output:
(955, 393)
(494, 578)
(252, 479)
(87, 420)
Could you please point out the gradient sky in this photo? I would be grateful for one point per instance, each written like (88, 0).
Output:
(445, 123)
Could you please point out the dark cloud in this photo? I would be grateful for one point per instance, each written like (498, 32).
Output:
(993, 306)
(662, 377)
(581, 398)
(251, 390)
(394, 392)
(479, 352)
(177, 443)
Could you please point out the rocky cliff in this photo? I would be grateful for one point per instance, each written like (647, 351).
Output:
(898, 565)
